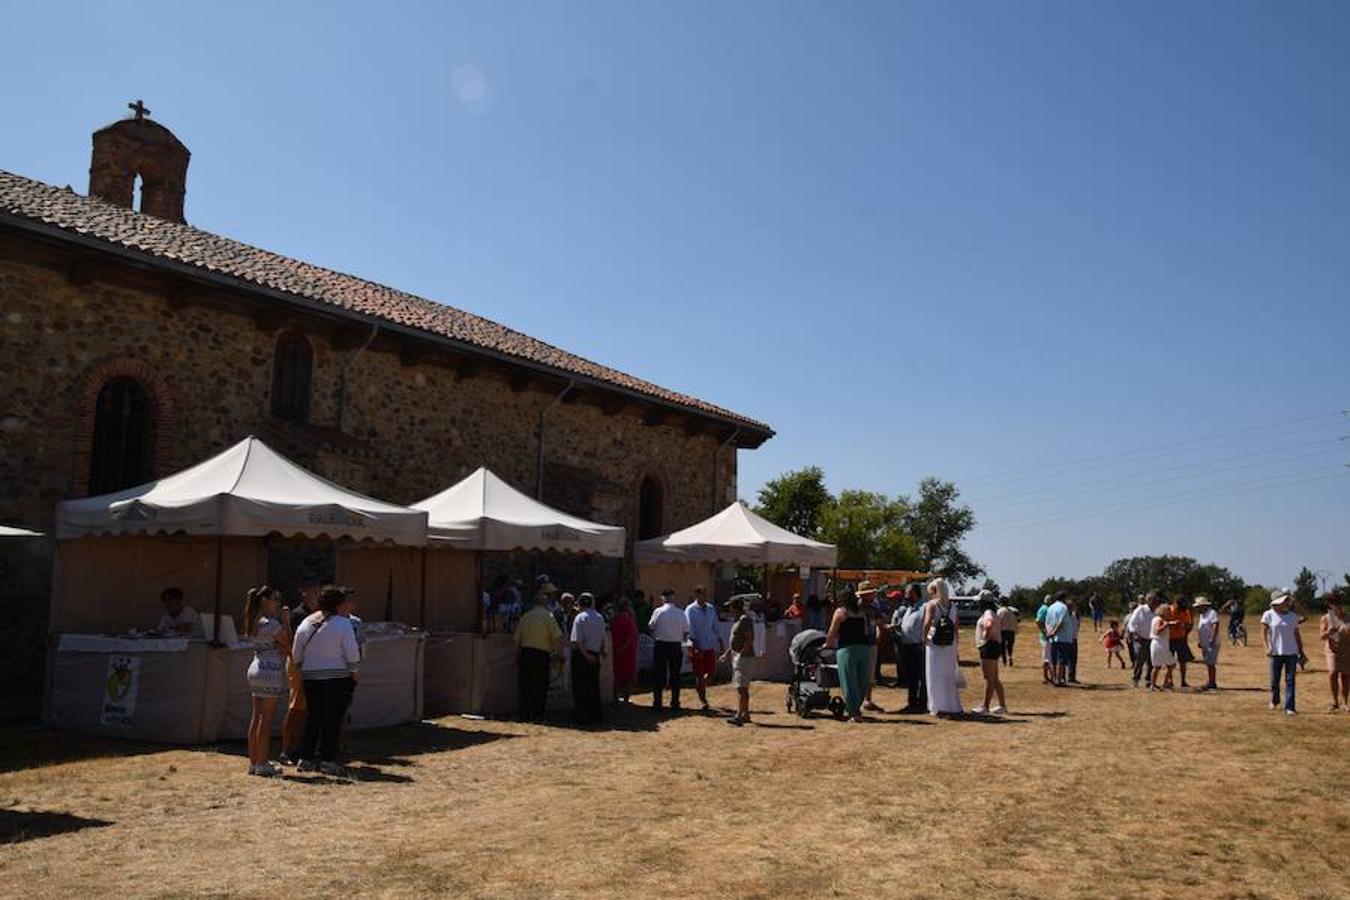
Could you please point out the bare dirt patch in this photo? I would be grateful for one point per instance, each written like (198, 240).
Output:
(1100, 790)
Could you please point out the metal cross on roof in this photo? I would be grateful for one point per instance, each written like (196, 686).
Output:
(139, 109)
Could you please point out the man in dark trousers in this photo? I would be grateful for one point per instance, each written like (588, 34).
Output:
(669, 629)
(907, 630)
(538, 638)
(588, 649)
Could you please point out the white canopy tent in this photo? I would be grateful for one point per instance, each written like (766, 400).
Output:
(7, 531)
(249, 490)
(483, 512)
(736, 535)
(237, 497)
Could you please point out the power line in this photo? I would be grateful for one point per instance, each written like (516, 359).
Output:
(1134, 480)
(1211, 492)
(1022, 474)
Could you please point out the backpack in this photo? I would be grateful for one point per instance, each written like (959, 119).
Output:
(944, 632)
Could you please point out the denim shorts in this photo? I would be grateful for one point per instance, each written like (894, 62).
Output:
(1059, 652)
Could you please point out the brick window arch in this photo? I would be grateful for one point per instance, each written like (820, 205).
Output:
(126, 419)
(651, 498)
(292, 372)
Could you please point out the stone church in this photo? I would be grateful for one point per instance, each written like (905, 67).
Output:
(133, 344)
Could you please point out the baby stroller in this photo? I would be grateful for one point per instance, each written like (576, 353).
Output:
(813, 674)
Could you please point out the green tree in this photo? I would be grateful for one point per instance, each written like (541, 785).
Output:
(938, 525)
(869, 531)
(1173, 575)
(992, 586)
(1305, 588)
(796, 501)
(1256, 598)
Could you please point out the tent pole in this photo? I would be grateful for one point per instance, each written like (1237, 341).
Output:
(478, 597)
(220, 587)
(422, 603)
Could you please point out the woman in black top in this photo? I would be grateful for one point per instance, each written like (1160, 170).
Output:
(849, 635)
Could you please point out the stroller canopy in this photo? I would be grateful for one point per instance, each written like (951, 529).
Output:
(806, 646)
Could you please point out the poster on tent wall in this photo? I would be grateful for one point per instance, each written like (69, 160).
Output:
(119, 690)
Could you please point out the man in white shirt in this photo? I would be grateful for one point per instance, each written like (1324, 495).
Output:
(705, 642)
(669, 628)
(588, 649)
(1207, 634)
(1139, 632)
(178, 618)
(1284, 646)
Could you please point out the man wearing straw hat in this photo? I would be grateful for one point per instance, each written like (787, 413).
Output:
(1207, 634)
(1284, 646)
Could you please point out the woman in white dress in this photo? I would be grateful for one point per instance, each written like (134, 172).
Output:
(940, 657)
(271, 641)
(1160, 651)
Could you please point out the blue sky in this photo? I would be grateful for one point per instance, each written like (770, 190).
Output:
(1088, 260)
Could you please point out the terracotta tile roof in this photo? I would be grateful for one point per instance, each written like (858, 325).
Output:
(157, 238)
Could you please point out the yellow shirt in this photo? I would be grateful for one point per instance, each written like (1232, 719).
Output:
(538, 630)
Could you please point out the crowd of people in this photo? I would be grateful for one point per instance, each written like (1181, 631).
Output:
(313, 652)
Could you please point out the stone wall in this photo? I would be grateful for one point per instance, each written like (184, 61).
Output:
(408, 429)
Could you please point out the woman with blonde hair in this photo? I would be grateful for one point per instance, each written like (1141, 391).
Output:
(271, 641)
(941, 655)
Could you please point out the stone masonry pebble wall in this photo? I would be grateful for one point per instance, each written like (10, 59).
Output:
(421, 428)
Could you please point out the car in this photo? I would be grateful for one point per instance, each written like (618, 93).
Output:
(967, 610)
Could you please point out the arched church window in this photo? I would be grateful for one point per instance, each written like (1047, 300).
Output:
(123, 436)
(651, 516)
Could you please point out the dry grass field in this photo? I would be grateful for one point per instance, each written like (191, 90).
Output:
(1095, 791)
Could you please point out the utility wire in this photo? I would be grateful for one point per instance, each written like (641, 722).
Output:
(1210, 492)
(1135, 480)
(1022, 474)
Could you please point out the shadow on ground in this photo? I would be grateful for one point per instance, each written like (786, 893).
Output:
(16, 826)
(393, 746)
(28, 746)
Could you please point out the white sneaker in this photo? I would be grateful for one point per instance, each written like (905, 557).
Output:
(1290, 712)
(1000, 710)
(980, 710)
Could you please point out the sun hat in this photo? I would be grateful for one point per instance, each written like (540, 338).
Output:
(1201, 601)
(895, 595)
(864, 587)
(1280, 595)
(544, 584)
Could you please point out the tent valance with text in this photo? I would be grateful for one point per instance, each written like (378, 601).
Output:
(246, 490)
